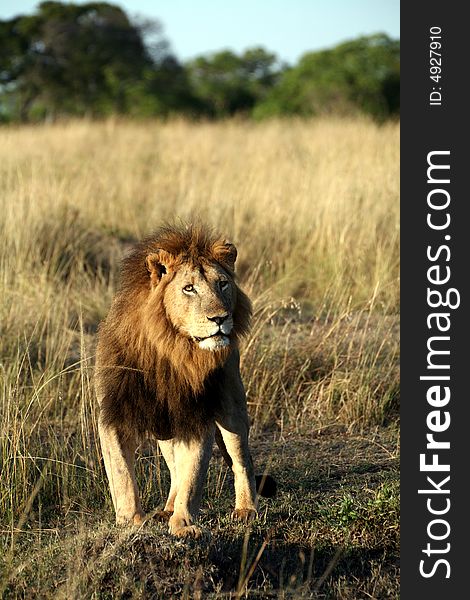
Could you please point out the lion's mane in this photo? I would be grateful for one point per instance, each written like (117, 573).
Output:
(151, 378)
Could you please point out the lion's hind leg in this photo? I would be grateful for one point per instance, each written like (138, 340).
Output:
(118, 453)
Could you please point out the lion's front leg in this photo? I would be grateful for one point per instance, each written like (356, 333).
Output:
(234, 433)
(191, 460)
(118, 454)
(233, 425)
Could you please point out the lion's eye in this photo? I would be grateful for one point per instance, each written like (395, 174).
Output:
(189, 289)
(223, 284)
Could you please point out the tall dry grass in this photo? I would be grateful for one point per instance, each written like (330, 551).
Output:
(313, 209)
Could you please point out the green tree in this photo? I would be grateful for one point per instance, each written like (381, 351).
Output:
(362, 75)
(82, 59)
(91, 59)
(226, 83)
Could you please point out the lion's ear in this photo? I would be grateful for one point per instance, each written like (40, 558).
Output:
(225, 253)
(158, 264)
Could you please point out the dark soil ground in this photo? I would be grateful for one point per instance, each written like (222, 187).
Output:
(331, 532)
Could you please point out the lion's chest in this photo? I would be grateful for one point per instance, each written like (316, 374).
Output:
(178, 410)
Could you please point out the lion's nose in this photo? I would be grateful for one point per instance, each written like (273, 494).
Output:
(219, 319)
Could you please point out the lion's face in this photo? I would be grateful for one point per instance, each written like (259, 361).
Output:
(199, 301)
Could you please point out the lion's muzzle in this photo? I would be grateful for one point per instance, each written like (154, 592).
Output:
(217, 341)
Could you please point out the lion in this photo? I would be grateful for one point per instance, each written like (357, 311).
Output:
(167, 365)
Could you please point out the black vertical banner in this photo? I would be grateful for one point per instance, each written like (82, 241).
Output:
(435, 363)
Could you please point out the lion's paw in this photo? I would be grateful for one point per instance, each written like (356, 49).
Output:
(182, 527)
(244, 514)
(163, 516)
(188, 531)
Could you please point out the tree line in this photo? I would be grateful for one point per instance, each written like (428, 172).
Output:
(94, 60)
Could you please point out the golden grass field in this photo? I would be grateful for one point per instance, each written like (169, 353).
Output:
(313, 209)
